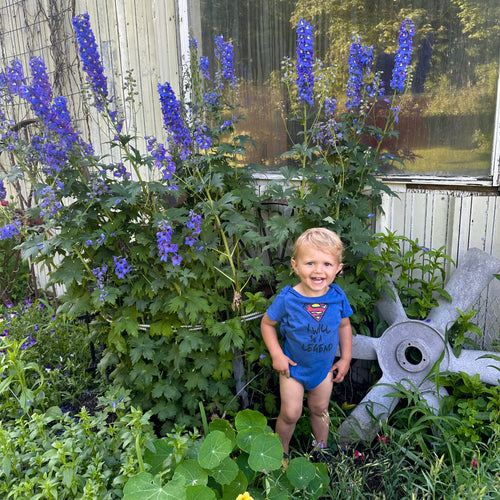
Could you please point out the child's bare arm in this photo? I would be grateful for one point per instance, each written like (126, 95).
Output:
(281, 362)
(341, 367)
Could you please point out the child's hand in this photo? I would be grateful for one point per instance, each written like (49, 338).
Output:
(282, 364)
(340, 369)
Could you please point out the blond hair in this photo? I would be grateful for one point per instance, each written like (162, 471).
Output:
(322, 239)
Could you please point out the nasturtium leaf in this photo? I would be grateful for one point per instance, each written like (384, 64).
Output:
(320, 483)
(278, 493)
(222, 425)
(249, 418)
(242, 461)
(266, 453)
(214, 449)
(161, 457)
(192, 473)
(237, 487)
(278, 486)
(245, 438)
(200, 492)
(300, 472)
(225, 472)
(145, 486)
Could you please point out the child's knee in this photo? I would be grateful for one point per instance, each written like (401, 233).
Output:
(290, 415)
(319, 410)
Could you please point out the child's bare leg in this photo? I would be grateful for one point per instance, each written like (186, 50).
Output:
(318, 401)
(292, 395)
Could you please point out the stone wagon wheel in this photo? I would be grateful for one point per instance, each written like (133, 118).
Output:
(408, 349)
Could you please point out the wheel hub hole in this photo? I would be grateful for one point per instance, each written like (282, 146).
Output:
(413, 355)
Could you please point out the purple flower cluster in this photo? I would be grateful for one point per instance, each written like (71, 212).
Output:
(203, 140)
(205, 67)
(98, 188)
(163, 160)
(13, 81)
(121, 267)
(165, 245)
(173, 116)
(224, 54)
(100, 273)
(195, 224)
(3, 191)
(30, 341)
(326, 130)
(8, 231)
(49, 203)
(305, 62)
(40, 80)
(360, 64)
(120, 171)
(91, 59)
(54, 115)
(403, 55)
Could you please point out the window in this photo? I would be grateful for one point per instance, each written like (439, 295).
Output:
(448, 126)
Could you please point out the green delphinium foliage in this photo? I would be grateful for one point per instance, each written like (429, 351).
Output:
(159, 244)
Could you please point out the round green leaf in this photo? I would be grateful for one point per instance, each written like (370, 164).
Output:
(145, 486)
(249, 418)
(300, 472)
(225, 472)
(266, 453)
(237, 487)
(199, 492)
(222, 425)
(245, 438)
(214, 449)
(192, 473)
(242, 461)
(161, 457)
(320, 483)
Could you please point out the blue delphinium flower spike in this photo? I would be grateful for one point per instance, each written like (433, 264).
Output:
(305, 62)
(403, 55)
(172, 116)
(91, 59)
(224, 54)
(360, 64)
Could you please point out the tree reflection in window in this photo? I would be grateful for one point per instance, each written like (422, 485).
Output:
(447, 124)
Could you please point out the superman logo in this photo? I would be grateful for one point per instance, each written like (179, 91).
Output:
(316, 310)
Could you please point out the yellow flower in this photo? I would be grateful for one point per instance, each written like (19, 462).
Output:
(244, 496)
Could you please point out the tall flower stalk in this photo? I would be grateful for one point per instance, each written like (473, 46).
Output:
(339, 147)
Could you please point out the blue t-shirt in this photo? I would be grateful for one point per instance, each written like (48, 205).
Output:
(310, 330)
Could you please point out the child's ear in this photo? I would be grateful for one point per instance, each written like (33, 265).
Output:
(292, 262)
(340, 269)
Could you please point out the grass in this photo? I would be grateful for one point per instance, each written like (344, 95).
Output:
(449, 161)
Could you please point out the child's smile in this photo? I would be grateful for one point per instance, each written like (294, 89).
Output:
(316, 270)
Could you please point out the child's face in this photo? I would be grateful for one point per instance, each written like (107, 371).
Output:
(316, 269)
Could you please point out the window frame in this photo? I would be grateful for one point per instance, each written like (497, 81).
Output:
(185, 24)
